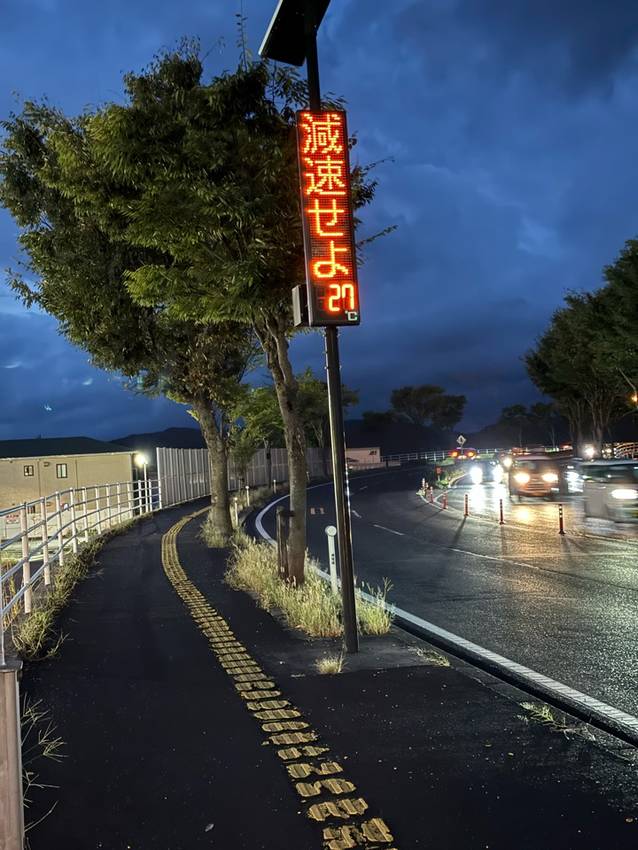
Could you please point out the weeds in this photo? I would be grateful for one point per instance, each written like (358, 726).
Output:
(543, 714)
(39, 740)
(433, 658)
(374, 618)
(313, 607)
(330, 664)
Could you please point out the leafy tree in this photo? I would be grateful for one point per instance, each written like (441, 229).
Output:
(448, 411)
(79, 271)
(262, 416)
(546, 417)
(203, 178)
(515, 418)
(428, 405)
(571, 363)
(374, 419)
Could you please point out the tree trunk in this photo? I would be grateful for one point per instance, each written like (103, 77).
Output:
(218, 453)
(272, 336)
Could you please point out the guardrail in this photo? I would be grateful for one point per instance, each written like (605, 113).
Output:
(47, 529)
(434, 456)
(626, 450)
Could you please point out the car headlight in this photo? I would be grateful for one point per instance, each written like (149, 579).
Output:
(507, 462)
(624, 493)
(521, 477)
(476, 474)
(550, 477)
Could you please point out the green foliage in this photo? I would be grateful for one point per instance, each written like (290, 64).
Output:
(260, 411)
(572, 363)
(428, 404)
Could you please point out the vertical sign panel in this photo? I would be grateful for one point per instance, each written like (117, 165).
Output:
(326, 205)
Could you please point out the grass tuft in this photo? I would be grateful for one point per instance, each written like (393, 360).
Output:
(313, 607)
(330, 664)
(433, 658)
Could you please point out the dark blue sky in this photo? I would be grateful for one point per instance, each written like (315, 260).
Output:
(513, 129)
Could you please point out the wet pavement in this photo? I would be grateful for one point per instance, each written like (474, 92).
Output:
(563, 606)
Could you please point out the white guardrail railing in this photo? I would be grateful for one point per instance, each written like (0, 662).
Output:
(36, 537)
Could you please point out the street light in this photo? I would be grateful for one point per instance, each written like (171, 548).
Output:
(141, 461)
(291, 37)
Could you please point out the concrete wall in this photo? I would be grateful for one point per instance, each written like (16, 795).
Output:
(82, 470)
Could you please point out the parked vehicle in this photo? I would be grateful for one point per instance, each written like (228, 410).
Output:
(534, 475)
(610, 489)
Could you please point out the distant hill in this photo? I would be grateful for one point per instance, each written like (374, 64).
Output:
(396, 437)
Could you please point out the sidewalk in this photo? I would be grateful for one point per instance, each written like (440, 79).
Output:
(168, 748)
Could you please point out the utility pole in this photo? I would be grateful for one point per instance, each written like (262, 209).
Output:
(291, 38)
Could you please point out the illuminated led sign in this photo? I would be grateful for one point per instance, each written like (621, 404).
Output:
(331, 270)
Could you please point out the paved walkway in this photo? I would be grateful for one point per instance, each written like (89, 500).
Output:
(193, 720)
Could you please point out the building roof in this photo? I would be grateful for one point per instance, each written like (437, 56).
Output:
(52, 446)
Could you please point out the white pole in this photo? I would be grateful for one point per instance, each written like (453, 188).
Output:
(45, 542)
(118, 500)
(74, 523)
(236, 511)
(145, 489)
(85, 500)
(331, 533)
(247, 496)
(274, 485)
(26, 566)
(58, 507)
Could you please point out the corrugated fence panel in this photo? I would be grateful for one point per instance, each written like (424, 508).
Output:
(184, 474)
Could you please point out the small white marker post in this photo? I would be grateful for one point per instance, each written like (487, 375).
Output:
(236, 511)
(331, 533)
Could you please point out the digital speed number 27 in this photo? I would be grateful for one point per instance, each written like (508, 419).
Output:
(341, 298)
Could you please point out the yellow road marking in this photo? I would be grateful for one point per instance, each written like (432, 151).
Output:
(286, 729)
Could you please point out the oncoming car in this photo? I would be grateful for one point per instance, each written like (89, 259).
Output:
(485, 472)
(534, 475)
(610, 489)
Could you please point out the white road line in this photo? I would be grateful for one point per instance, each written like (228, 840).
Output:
(365, 487)
(398, 533)
(356, 513)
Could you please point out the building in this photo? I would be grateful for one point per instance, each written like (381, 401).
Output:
(32, 469)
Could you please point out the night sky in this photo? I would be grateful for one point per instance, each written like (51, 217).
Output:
(513, 131)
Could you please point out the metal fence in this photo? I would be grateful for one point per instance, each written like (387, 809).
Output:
(184, 474)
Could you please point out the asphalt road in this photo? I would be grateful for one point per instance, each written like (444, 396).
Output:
(535, 513)
(564, 606)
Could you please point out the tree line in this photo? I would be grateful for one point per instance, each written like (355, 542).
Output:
(586, 360)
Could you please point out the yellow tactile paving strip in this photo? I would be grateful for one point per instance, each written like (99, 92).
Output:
(326, 795)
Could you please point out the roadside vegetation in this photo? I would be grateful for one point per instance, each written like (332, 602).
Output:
(312, 607)
(330, 665)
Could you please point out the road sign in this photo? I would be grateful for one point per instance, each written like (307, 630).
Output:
(461, 440)
(328, 226)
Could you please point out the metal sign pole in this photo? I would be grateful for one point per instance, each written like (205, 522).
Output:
(333, 370)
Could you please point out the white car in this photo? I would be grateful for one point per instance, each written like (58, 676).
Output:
(610, 489)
